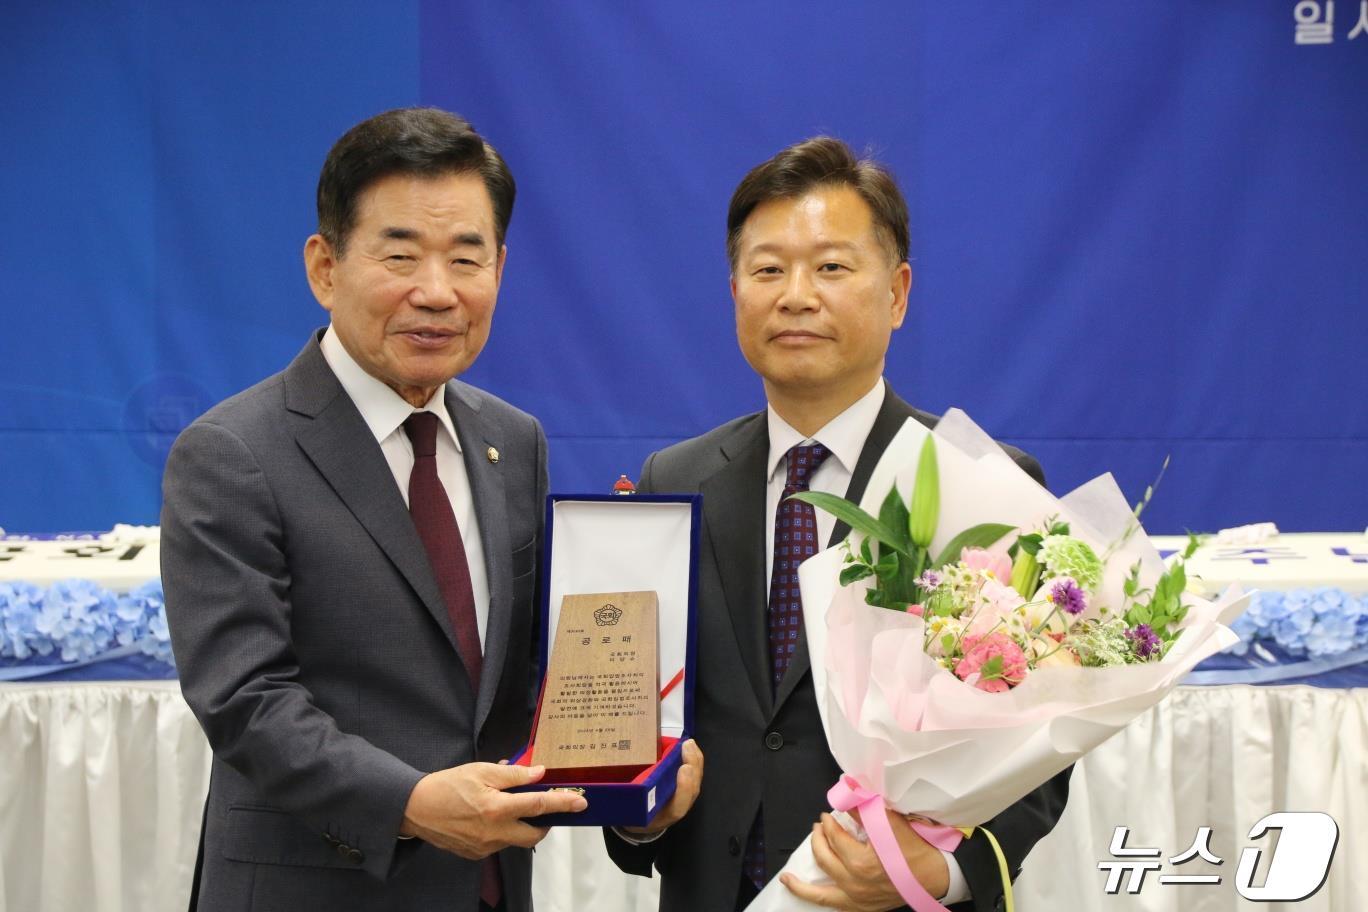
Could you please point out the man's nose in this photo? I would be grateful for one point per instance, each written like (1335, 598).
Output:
(799, 292)
(433, 288)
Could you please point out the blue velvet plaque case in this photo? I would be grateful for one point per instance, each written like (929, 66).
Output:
(597, 543)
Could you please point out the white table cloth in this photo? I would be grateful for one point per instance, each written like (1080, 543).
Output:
(102, 785)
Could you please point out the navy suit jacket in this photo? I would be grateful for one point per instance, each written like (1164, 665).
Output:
(769, 752)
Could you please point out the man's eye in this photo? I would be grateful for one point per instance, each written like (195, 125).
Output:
(767, 271)
(398, 258)
(831, 267)
(464, 261)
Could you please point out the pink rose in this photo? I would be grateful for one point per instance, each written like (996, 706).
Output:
(999, 566)
(979, 650)
(915, 609)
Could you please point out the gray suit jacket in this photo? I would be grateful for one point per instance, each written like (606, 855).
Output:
(762, 750)
(315, 650)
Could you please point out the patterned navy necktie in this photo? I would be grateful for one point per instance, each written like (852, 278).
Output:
(795, 540)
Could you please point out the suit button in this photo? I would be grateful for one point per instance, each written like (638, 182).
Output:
(342, 848)
(774, 741)
(355, 856)
(733, 845)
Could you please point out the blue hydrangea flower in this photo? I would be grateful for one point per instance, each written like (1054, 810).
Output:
(144, 614)
(78, 616)
(20, 604)
(1315, 622)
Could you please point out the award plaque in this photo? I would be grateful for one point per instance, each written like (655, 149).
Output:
(600, 707)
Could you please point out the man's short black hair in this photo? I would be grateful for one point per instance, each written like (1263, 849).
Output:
(426, 142)
(822, 161)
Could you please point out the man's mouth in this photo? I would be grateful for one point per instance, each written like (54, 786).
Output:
(428, 337)
(796, 336)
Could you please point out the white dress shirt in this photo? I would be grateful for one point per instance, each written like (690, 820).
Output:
(845, 437)
(384, 412)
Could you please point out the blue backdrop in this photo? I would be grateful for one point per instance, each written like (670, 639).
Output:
(1138, 229)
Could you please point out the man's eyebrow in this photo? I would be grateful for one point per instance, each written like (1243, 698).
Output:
(460, 239)
(770, 247)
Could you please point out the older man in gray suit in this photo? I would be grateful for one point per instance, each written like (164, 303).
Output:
(349, 551)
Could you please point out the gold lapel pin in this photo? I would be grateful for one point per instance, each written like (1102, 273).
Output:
(493, 455)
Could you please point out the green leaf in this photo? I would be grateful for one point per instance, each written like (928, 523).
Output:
(893, 514)
(852, 516)
(924, 512)
(948, 643)
(1029, 543)
(937, 603)
(1059, 528)
(887, 565)
(865, 553)
(1179, 575)
(901, 582)
(875, 597)
(980, 536)
(855, 573)
(991, 669)
(1193, 543)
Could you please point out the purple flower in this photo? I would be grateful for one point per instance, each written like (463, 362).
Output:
(1143, 640)
(929, 580)
(1067, 597)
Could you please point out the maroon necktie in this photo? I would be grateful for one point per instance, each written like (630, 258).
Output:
(436, 524)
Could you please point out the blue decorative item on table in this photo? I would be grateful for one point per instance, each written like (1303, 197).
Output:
(1301, 636)
(78, 630)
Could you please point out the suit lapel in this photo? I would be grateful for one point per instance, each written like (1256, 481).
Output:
(734, 510)
(892, 413)
(890, 420)
(340, 445)
(478, 435)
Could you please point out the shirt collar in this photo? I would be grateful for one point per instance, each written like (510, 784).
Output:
(843, 435)
(383, 410)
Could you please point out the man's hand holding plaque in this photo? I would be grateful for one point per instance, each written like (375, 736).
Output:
(687, 783)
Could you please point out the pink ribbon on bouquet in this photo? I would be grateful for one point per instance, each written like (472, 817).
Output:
(848, 795)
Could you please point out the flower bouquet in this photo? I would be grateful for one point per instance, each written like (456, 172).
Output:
(975, 635)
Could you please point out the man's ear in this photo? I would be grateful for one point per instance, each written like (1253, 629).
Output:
(897, 293)
(319, 262)
(499, 265)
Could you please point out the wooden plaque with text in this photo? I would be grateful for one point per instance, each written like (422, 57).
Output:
(600, 705)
